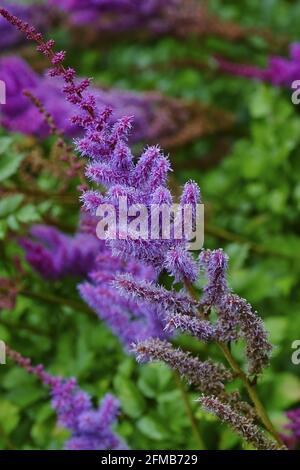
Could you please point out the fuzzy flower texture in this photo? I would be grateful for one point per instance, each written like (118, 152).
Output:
(110, 164)
(90, 427)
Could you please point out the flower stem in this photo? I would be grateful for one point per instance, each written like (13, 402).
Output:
(189, 411)
(259, 407)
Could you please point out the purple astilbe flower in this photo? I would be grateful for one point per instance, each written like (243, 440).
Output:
(55, 255)
(148, 18)
(128, 319)
(279, 71)
(91, 428)
(9, 36)
(119, 15)
(239, 423)
(112, 166)
(236, 317)
(154, 114)
(176, 309)
(101, 143)
(209, 377)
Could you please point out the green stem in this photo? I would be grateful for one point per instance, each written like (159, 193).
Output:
(260, 410)
(189, 411)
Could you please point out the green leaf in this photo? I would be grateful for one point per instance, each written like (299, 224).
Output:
(28, 214)
(154, 379)
(9, 204)
(9, 416)
(9, 163)
(132, 401)
(152, 428)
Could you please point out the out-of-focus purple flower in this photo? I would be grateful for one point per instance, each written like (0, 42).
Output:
(55, 255)
(280, 71)
(153, 113)
(91, 428)
(119, 15)
(128, 319)
(293, 426)
(32, 13)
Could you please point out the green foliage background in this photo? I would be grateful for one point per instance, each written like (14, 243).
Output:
(252, 202)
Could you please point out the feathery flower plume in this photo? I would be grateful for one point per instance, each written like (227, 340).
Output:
(209, 377)
(90, 428)
(239, 423)
(112, 165)
(235, 316)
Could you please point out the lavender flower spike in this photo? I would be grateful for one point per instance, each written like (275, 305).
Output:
(239, 423)
(207, 376)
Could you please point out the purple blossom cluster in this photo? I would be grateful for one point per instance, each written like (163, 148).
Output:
(20, 115)
(91, 428)
(54, 255)
(280, 71)
(236, 319)
(119, 15)
(9, 36)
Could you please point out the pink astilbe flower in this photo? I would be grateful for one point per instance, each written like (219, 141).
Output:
(90, 427)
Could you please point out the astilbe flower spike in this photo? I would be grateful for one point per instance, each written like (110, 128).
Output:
(208, 376)
(111, 165)
(90, 427)
(235, 315)
(102, 143)
(33, 13)
(239, 423)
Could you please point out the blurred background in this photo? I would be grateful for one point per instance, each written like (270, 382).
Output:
(210, 81)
